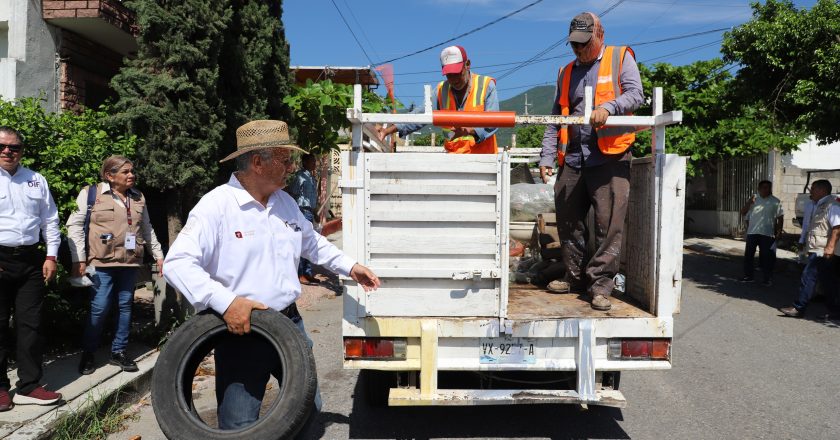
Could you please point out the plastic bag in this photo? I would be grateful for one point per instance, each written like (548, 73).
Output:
(527, 200)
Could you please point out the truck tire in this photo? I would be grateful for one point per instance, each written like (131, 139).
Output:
(172, 379)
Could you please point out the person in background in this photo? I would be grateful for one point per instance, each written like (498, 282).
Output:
(119, 234)
(27, 211)
(820, 246)
(462, 91)
(239, 252)
(593, 160)
(765, 219)
(304, 191)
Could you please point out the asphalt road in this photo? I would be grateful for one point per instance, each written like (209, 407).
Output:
(740, 371)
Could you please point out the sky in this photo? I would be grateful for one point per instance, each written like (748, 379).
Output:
(388, 29)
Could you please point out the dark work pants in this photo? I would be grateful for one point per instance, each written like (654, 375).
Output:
(766, 255)
(606, 189)
(22, 289)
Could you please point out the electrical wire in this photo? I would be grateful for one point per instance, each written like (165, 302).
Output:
(461, 35)
(352, 33)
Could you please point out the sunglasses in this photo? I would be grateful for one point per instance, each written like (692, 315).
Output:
(13, 148)
(578, 45)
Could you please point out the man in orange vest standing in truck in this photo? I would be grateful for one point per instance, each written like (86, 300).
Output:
(593, 160)
(462, 91)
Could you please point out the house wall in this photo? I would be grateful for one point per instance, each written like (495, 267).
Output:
(86, 69)
(791, 179)
(29, 65)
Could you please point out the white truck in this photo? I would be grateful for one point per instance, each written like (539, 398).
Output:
(447, 327)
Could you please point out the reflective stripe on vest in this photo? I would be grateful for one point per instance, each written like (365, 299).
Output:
(474, 102)
(611, 140)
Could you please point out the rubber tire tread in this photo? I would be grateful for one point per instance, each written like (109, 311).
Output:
(283, 421)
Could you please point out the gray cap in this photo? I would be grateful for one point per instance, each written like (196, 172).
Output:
(581, 27)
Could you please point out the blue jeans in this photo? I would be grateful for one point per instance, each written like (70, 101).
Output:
(110, 284)
(766, 256)
(243, 366)
(305, 267)
(817, 270)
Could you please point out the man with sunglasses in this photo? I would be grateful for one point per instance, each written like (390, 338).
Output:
(593, 160)
(27, 211)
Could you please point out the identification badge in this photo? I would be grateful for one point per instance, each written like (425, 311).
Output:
(130, 242)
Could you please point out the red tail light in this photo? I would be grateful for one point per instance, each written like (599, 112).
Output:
(639, 349)
(374, 348)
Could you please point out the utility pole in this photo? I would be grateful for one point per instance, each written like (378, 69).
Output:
(526, 104)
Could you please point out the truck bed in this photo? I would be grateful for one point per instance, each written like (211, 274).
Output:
(527, 301)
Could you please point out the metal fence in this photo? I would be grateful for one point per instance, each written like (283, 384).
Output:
(726, 184)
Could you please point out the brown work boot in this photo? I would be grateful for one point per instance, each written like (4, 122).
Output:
(601, 302)
(562, 286)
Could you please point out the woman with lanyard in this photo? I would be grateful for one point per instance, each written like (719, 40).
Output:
(112, 240)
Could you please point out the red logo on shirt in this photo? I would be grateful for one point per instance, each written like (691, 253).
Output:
(238, 234)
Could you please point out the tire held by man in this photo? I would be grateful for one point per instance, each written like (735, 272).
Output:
(186, 348)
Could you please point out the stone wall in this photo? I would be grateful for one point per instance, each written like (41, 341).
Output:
(85, 71)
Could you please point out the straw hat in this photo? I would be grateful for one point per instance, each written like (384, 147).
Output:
(262, 133)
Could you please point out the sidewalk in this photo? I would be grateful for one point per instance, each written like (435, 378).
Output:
(786, 261)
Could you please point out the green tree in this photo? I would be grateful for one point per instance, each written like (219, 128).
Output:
(319, 111)
(530, 136)
(790, 64)
(254, 76)
(716, 122)
(168, 96)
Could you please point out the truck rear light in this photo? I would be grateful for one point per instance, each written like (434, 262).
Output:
(375, 348)
(639, 349)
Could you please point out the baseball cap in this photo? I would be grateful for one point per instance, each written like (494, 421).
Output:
(452, 59)
(581, 27)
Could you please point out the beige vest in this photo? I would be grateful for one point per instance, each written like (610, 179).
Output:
(819, 229)
(109, 217)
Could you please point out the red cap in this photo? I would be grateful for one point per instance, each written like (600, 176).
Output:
(452, 59)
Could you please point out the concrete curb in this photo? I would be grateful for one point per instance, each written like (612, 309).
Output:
(135, 384)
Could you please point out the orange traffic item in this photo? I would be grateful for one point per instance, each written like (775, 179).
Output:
(450, 118)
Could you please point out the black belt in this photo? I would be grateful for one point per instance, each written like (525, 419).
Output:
(291, 312)
(18, 250)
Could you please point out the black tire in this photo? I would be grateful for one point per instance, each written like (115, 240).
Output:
(377, 385)
(179, 358)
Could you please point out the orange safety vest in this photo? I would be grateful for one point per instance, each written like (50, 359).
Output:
(473, 103)
(611, 140)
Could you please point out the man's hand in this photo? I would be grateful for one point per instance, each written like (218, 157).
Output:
(49, 270)
(546, 173)
(599, 117)
(365, 277)
(382, 133)
(78, 269)
(828, 251)
(461, 131)
(159, 263)
(238, 315)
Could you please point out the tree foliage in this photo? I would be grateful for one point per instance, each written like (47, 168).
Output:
(530, 136)
(790, 64)
(66, 148)
(716, 122)
(319, 111)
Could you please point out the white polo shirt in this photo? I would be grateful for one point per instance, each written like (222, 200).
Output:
(27, 210)
(233, 246)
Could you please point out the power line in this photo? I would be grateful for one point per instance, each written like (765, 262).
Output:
(351, 32)
(554, 45)
(361, 28)
(461, 35)
(684, 51)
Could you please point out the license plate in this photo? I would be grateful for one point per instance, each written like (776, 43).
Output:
(507, 351)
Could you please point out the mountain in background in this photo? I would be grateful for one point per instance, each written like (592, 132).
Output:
(540, 100)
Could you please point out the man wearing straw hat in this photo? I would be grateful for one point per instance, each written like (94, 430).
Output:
(239, 251)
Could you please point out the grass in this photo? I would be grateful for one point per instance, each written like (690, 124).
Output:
(94, 419)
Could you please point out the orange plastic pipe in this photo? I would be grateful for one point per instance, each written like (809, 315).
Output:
(452, 118)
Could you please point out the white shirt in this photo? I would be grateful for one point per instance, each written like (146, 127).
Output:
(233, 246)
(27, 210)
(762, 216)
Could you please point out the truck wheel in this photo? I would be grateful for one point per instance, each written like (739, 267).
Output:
(180, 357)
(377, 384)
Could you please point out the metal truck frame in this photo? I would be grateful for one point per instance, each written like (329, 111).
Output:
(434, 228)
